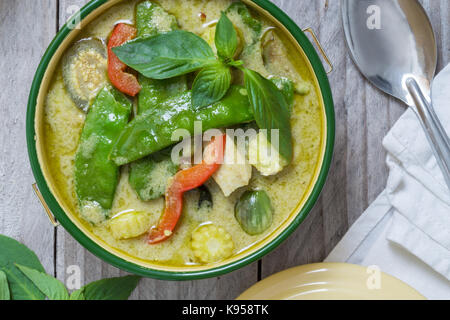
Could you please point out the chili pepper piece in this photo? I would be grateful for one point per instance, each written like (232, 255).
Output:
(123, 81)
(184, 181)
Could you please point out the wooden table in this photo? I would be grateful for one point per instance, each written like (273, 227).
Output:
(363, 117)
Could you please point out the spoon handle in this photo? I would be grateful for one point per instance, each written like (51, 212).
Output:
(439, 141)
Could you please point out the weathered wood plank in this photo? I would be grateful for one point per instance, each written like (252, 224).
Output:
(26, 28)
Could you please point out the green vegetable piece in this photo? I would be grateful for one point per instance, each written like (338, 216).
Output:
(152, 131)
(149, 176)
(78, 295)
(21, 288)
(247, 19)
(4, 287)
(211, 85)
(226, 38)
(51, 287)
(254, 212)
(271, 111)
(108, 289)
(84, 83)
(287, 88)
(152, 19)
(96, 176)
(155, 92)
(167, 55)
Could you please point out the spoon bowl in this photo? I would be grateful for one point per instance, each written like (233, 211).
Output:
(393, 44)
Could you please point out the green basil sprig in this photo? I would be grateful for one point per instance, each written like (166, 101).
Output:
(4, 287)
(211, 85)
(107, 289)
(271, 110)
(22, 277)
(167, 55)
(226, 38)
(51, 287)
(20, 287)
(180, 52)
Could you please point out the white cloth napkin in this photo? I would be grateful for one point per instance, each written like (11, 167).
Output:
(406, 231)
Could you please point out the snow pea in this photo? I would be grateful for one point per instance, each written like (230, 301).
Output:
(247, 19)
(152, 19)
(149, 176)
(152, 131)
(96, 176)
(155, 92)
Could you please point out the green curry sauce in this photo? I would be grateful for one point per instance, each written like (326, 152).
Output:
(64, 124)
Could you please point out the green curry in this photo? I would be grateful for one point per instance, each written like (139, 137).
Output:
(122, 91)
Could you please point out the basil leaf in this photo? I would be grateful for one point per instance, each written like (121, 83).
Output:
(4, 288)
(226, 38)
(271, 110)
(111, 289)
(78, 295)
(51, 287)
(11, 252)
(211, 85)
(167, 55)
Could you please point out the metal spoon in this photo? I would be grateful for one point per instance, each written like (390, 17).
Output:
(393, 44)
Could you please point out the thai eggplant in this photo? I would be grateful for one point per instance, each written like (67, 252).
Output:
(152, 131)
(84, 71)
(254, 212)
(96, 176)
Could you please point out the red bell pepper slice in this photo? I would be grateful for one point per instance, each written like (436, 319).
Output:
(184, 181)
(125, 82)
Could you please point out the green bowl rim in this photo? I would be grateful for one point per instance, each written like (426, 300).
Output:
(189, 275)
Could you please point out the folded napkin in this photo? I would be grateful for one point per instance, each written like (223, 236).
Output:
(406, 231)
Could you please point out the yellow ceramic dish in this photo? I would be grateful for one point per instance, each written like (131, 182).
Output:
(331, 281)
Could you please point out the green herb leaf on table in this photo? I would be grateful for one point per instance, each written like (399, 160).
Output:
(167, 55)
(109, 289)
(211, 85)
(4, 288)
(51, 287)
(226, 38)
(21, 288)
(271, 110)
(78, 295)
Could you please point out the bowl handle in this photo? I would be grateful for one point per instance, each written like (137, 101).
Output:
(44, 204)
(322, 51)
